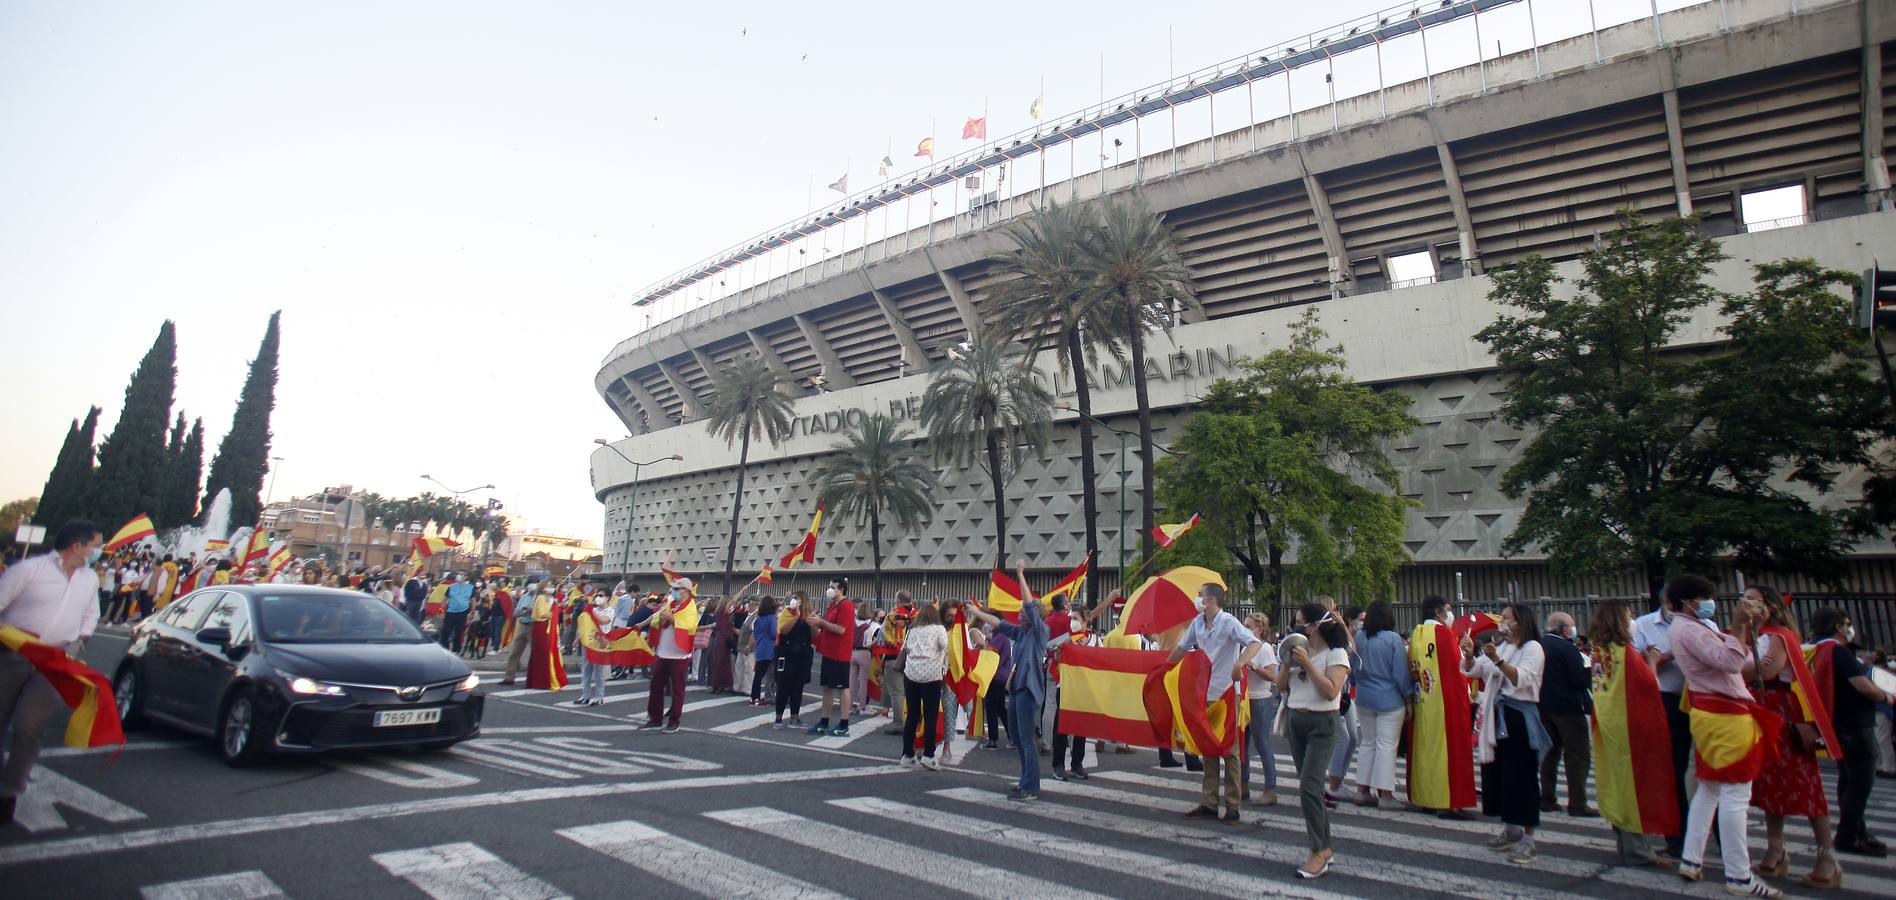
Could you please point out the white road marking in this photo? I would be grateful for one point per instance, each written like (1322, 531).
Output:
(480, 756)
(401, 772)
(556, 757)
(642, 757)
(691, 866)
(48, 790)
(1188, 876)
(857, 731)
(179, 834)
(464, 871)
(911, 863)
(744, 724)
(562, 729)
(61, 752)
(252, 885)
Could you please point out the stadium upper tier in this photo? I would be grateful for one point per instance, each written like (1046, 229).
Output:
(1530, 153)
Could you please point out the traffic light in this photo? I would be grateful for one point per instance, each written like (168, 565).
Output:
(1876, 299)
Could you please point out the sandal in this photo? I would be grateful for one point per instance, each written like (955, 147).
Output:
(1306, 874)
(1835, 879)
(1779, 870)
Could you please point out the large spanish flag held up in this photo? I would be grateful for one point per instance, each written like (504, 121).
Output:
(970, 668)
(1441, 742)
(1102, 694)
(138, 529)
(429, 546)
(608, 646)
(1180, 716)
(1633, 779)
(1004, 596)
(95, 718)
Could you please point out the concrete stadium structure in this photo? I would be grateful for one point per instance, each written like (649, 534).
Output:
(1687, 113)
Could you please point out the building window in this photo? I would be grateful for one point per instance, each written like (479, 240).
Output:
(1773, 207)
(312, 518)
(1410, 269)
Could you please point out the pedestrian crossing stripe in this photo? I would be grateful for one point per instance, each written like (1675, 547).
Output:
(463, 870)
(252, 885)
(690, 865)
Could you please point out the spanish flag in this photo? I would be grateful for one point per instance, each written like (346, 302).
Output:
(1005, 596)
(95, 719)
(684, 613)
(805, 550)
(970, 668)
(429, 546)
(1167, 535)
(1729, 737)
(608, 646)
(494, 571)
(1441, 741)
(278, 560)
(1182, 717)
(256, 550)
(216, 545)
(764, 577)
(138, 529)
(1069, 586)
(1814, 686)
(1633, 779)
(548, 634)
(1102, 694)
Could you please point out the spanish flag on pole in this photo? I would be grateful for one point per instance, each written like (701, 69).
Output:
(1167, 535)
(429, 546)
(970, 668)
(1441, 744)
(764, 577)
(95, 719)
(278, 560)
(1634, 787)
(1005, 596)
(608, 646)
(1069, 586)
(805, 550)
(138, 529)
(257, 550)
(1183, 717)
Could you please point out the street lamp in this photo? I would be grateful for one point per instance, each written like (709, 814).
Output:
(625, 558)
(485, 543)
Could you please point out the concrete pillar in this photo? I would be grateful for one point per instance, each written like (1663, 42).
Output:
(1458, 201)
(768, 353)
(628, 412)
(1675, 146)
(693, 408)
(704, 361)
(1326, 223)
(912, 352)
(655, 417)
(1875, 167)
(835, 377)
(964, 304)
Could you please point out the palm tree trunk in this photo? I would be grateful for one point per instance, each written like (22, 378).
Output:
(737, 506)
(875, 544)
(1089, 478)
(1137, 340)
(1000, 499)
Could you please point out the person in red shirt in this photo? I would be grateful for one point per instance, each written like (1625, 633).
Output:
(833, 639)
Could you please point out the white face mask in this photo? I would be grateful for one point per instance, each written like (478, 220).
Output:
(1849, 634)
(829, 593)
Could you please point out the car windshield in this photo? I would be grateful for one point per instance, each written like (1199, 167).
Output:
(333, 618)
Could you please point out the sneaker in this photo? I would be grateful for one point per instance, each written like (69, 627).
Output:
(1390, 804)
(580, 702)
(1337, 796)
(1079, 773)
(1751, 887)
(1192, 765)
(1202, 812)
(1503, 842)
(777, 725)
(648, 726)
(908, 762)
(840, 731)
(1169, 764)
(1691, 871)
(818, 728)
(929, 763)
(1019, 796)
(990, 745)
(1231, 817)
(1523, 853)
(670, 729)
(1263, 798)
(1059, 775)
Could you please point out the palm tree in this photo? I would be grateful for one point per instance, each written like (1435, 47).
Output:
(1049, 305)
(1133, 257)
(986, 399)
(876, 469)
(748, 399)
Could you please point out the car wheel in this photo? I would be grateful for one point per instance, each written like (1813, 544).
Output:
(128, 695)
(237, 739)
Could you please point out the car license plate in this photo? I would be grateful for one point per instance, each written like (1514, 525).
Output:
(399, 717)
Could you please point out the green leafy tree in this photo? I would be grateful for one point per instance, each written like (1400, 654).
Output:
(1133, 258)
(1288, 459)
(65, 494)
(985, 404)
(877, 471)
(749, 400)
(243, 456)
(14, 514)
(1657, 458)
(132, 458)
(1050, 305)
(184, 465)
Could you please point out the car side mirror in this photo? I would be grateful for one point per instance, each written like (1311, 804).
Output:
(214, 635)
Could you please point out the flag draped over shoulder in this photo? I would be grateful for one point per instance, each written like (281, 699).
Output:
(1633, 784)
(684, 623)
(1814, 684)
(1181, 716)
(1005, 596)
(1102, 694)
(95, 718)
(608, 646)
(138, 529)
(1728, 737)
(970, 668)
(1441, 745)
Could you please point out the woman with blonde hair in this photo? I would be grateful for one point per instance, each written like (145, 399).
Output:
(1788, 785)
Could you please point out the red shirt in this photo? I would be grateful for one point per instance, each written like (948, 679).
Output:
(837, 646)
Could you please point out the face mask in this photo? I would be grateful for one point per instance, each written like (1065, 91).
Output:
(1849, 634)
(829, 593)
(93, 557)
(1707, 610)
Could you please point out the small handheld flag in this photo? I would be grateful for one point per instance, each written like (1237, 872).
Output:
(1005, 596)
(764, 577)
(494, 571)
(215, 546)
(1070, 585)
(138, 529)
(1167, 535)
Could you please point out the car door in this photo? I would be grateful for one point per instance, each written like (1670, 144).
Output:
(206, 667)
(166, 652)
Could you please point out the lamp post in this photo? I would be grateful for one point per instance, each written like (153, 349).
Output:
(625, 558)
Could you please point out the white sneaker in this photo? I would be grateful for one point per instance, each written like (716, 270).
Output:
(929, 763)
(1752, 887)
(908, 762)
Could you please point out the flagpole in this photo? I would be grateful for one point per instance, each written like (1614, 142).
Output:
(1041, 102)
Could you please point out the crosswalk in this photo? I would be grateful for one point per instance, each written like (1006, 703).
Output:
(1115, 836)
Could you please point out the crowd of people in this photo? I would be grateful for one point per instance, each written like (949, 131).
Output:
(1465, 712)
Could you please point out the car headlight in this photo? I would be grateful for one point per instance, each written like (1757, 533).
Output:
(312, 687)
(471, 682)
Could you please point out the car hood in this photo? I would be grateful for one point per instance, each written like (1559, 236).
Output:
(395, 665)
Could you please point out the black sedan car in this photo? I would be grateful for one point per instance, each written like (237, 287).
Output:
(292, 668)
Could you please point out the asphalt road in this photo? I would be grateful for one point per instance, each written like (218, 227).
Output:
(560, 801)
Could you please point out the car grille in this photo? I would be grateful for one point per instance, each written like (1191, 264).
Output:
(307, 727)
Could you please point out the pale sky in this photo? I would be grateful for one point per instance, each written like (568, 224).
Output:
(455, 203)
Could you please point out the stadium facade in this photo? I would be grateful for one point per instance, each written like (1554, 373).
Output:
(1694, 112)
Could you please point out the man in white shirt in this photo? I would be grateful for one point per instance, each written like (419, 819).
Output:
(1230, 646)
(55, 597)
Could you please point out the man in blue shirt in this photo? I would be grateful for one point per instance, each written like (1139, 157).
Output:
(1026, 684)
(460, 598)
(1230, 646)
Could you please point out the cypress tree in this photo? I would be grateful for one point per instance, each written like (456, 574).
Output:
(65, 493)
(184, 466)
(132, 459)
(243, 455)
